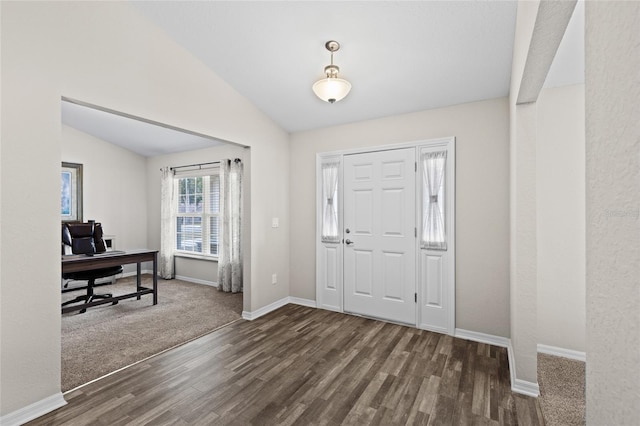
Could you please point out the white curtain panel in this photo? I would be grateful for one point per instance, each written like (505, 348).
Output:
(330, 232)
(434, 235)
(167, 225)
(230, 251)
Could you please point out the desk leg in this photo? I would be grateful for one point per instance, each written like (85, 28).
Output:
(155, 278)
(138, 277)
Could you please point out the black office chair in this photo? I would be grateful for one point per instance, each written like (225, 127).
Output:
(86, 238)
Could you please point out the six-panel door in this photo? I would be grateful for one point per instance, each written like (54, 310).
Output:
(379, 235)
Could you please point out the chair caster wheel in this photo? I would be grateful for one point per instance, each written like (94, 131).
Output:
(115, 303)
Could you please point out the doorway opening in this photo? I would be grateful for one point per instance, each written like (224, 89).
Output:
(121, 156)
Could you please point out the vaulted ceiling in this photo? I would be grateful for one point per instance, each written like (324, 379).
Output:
(399, 56)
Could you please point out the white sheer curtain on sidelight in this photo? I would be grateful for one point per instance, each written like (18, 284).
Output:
(434, 236)
(167, 233)
(330, 232)
(230, 250)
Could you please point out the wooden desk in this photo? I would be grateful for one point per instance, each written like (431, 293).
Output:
(81, 262)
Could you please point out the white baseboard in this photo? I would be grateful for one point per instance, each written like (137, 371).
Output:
(490, 339)
(519, 386)
(197, 281)
(525, 388)
(265, 309)
(565, 353)
(303, 302)
(33, 411)
(277, 305)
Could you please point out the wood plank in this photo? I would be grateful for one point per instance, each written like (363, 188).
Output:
(302, 366)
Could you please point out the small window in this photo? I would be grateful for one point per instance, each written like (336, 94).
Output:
(197, 221)
(330, 227)
(434, 234)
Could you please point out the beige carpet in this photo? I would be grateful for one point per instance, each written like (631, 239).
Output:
(562, 390)
(107, 338)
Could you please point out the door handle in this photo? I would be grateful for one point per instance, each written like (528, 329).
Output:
(348, 242)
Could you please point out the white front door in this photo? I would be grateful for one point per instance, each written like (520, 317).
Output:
(379, 235)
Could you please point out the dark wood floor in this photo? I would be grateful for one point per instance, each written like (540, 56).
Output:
(304, 366)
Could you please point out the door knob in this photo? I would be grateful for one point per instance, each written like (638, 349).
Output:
(348, 242)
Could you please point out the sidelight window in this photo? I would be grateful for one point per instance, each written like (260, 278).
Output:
(433, 165)
(330, 229)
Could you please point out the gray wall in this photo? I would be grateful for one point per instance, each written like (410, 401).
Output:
(561, 218)
(114, 187)
(482, 200)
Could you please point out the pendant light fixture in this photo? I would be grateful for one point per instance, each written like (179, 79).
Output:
(332, 88)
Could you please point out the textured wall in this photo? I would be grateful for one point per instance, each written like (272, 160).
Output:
(612, 41)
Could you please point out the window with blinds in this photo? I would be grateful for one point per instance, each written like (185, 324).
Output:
(197, 214)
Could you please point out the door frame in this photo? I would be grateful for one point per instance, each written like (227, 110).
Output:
(330, 256)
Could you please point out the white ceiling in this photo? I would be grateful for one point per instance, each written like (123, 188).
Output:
(400, 57)
(141, 137)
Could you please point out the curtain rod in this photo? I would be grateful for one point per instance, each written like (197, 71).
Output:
(194, 165)
(235, 160)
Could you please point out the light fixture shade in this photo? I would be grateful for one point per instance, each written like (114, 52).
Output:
(331, 89)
